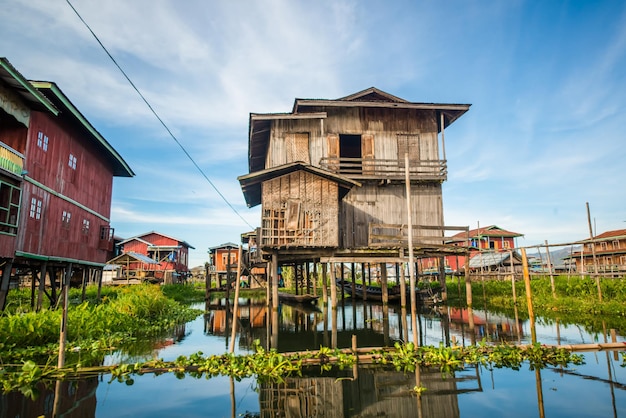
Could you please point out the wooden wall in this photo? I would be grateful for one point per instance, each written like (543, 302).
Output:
(90, 185)
(386, 204)
(386, 125)
(300, 209)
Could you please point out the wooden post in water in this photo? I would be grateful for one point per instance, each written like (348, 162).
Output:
(333, 287)
(63, 328)
(353, 277)
(410, 245)
(593, 252)
(363, 281)
(236, 305)
(529, 297)
(402, 282)
(274, 281)
(325, 283)
(383, 283)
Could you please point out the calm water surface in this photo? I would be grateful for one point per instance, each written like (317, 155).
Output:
(596, 389)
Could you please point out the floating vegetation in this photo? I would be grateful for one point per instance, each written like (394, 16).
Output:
(269, 365)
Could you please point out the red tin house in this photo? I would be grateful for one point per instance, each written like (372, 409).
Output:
(171, 255)
(56, 176)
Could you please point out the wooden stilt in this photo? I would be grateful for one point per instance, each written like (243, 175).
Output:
(4, 283)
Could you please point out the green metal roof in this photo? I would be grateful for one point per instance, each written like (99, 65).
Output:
(29, 93)
(54, 93)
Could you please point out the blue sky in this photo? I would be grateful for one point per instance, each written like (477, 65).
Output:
(546, 80)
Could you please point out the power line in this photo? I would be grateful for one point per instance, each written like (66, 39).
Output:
(158, 117)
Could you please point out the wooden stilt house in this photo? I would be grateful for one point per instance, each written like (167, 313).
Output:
(56, 178)
(331, 178)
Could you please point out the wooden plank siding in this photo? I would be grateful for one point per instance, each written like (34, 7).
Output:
(299, 209)
(84, 192)
(362, 138)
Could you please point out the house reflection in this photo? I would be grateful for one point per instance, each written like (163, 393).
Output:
(375, 392)
(69, 399)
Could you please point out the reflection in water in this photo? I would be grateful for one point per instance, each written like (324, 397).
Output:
(71, 399)
(375, 393)
(592, 390)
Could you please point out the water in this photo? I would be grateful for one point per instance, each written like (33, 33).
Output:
(596, 389)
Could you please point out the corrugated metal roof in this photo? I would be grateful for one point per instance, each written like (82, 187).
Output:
(131, 257)
(488, 259)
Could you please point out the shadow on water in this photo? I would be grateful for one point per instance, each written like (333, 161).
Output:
(594, 389)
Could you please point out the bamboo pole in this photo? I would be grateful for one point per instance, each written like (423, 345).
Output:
(325, 283)
(593, 252)
(236, 304)
(550, 270)
(410, 245)
(529, 297)
(63, 328)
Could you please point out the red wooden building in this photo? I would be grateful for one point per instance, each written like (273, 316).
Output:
(171, 255)
(223, 259)
(56, 177)
(489, 238)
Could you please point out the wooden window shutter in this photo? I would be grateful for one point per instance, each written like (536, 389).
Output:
(367, 153)
(332, 146)
(292, 215)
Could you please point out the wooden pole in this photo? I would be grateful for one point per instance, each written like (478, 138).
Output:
(333, 287)
(4, 284)
(410, 245)
(325, 283)
(274, 281)
(593, 252)
(550, 270)
(236, 305)
(529, 297)
(383, 283)
(42, 286)
(63, 328)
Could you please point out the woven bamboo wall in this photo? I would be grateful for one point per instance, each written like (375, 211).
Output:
(300, 210)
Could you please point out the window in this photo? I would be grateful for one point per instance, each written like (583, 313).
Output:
(85, 226)
(35, 208)
(42, 141)
(65, 220)
(506, 244)
(72, 162)
(10, 197)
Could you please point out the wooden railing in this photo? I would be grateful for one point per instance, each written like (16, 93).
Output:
(362, 168)
(384, 235)
(11, 160)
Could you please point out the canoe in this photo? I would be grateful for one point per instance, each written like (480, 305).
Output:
(373, 292)
(289, 297)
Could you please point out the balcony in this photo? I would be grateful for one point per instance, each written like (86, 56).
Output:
(11, 160)
(377, 169)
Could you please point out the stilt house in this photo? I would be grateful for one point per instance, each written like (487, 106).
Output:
(330, 177)
(56, 178)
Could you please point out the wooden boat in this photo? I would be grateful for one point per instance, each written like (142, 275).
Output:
(291, 298)
(374, 293)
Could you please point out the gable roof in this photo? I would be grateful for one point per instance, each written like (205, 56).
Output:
(260, 124)
(131, 257)
(226, 245)
(251, 183)
(609, 235)
(71, 114)
(491, 231)
(141, 236)
(16, 81)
